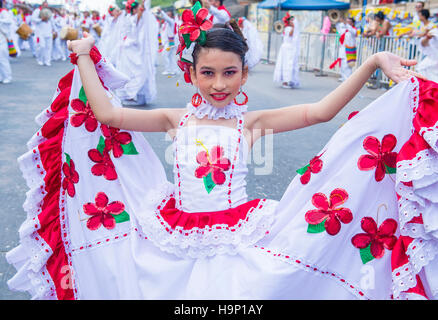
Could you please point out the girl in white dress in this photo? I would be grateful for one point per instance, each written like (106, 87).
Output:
(287, 71)
(104, 222)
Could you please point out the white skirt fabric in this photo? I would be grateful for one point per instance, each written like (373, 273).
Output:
(356, 222)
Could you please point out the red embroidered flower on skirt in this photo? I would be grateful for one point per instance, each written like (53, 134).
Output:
(71, 177)
(114, 139)
(326, 210)
(379, 238)
(380, 155)
(214, 163)
(315, 166)
(102, 213)
(83, 114)
(104, 165)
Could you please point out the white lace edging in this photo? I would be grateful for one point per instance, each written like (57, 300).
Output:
(228, 112)
(208, 241)
(422, 171)
(31, 255)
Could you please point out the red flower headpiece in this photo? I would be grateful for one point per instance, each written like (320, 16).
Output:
(131, 4)
(194, 25)
(111, 8)
(286, 19)
(240, 22)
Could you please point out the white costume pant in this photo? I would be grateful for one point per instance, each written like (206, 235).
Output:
(170, 65)
(5, 67)
(58, 51)
(346, 70)
(44, 49)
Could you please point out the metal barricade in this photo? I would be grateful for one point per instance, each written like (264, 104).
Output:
(317, 49)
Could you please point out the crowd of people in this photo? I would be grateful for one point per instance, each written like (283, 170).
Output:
(132, 39)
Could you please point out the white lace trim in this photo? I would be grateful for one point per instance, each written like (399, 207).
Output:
(33, 252)
(208, 241)
(431, 136)
(421, 171)
(206, 109)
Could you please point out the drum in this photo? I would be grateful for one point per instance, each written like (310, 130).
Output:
(98, 29)
(24, 31)
(45, 14)
(68, 33)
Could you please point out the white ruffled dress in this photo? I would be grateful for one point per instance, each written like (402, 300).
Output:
(103, 222)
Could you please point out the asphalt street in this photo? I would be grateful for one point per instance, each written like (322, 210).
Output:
(33, 87)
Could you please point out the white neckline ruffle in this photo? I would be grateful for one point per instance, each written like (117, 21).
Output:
(206, 109)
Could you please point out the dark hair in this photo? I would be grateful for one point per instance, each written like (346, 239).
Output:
(223, 38)
(425, 13)
(380, 15)
(352, 19)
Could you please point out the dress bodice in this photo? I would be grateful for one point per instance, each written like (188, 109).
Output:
(210, 166)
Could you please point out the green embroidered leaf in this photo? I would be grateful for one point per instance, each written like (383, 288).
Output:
(208, 183)
(316, 228)
(124, 216)
(196, 8)
(365, 254)
(129, 148)
(67, 158)
(101, 144)
(390, 170)
(83, 96)
(302, 170)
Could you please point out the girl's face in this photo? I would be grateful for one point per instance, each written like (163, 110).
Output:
(218, 76)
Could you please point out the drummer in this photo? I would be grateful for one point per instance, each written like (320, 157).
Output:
(43, 29)
(5, 27)
(58, 52)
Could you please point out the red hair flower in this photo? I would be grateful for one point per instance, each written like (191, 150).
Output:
(102, 213)
(380, 156)
(114, 139)
(194, 24)
(83, 114)
(328, 213)
(376, 239)
(286, 19)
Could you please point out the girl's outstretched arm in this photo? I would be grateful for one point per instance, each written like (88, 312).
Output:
(123, 118)
(304, 115)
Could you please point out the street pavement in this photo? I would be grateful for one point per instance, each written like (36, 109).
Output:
(33, 87)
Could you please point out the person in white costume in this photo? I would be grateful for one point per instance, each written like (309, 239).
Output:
(43, 29)
(429, 47)
(169, 35)
(255, 45)
(137, 55)
(109, 225)
(58, 51)
(287, 71)
(5, 28)
(347, 48)
(96, 21)
(86, 22)
(217, 9)
(14, 36)
(111, 37)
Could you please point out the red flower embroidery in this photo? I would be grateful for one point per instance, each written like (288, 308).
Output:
(213, 162)
(70, 178)
(351, 115)
(379, 238)
(380, 155)
(102, 212)
(83, 114)
(104, 165)
(193, 25)
(114, 139)
(315, 166)
(326, 210)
